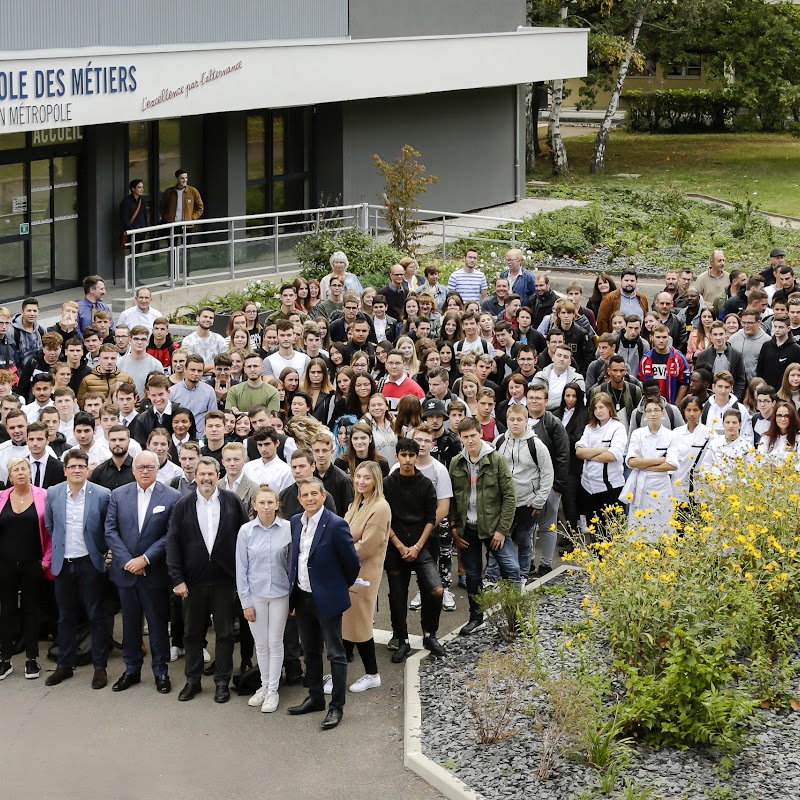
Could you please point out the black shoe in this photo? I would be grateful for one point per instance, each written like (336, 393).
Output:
(163, 684)
(127, 680)
(433, 646)
(5, 669)
(190, 690)
(402, 653)
(332, 719)
(246, 666)
(222, 693)
(308, 706)
(293, 677)
(57, 675)
(543, 570)
(474, 624)
(392, 644)
(99, 679)
(32, 669)
(210, 669)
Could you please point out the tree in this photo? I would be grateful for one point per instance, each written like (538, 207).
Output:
(640, 8)
(557, 149)
(405, 179)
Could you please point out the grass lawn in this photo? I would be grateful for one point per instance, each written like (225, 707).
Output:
(765, 167)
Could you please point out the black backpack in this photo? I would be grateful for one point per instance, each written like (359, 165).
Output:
(531, 446)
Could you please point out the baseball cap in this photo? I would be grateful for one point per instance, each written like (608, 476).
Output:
(433, 408)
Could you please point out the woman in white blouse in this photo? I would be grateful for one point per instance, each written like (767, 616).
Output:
(652, 456)
(692, 440)
(601, 448)
(781, 441)
(727, 450)
(263, 553)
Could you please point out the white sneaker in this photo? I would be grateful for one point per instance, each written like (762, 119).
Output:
(448, 601)
(327, 684)
(366, 682)
(206, 656)
(415, 604)
(175, 653)
(258, 698)
(270, 703)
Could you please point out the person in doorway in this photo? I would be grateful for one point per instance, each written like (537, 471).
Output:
(181, 203)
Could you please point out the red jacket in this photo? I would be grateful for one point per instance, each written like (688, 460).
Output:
(163, 353)
(39, 499)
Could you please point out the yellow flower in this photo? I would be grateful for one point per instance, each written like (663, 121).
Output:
(568, 643)
(654, 494)
(638, 513)
(629, 496)
(664, 602)
(748, 576)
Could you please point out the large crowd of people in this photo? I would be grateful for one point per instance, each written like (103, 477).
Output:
(265, 482)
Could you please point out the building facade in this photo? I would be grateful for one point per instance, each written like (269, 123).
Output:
(268, 106)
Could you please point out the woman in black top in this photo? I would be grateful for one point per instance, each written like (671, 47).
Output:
(361, 447)
(24, 552)
(573, 415)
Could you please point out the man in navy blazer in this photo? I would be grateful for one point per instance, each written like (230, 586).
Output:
(75, 515)
(324, 567)
(136, 533)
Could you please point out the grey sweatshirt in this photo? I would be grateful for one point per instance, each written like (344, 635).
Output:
(749, 347)
(531, 482)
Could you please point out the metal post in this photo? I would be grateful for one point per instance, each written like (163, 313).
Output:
(173, 258)
(275, 243)
(231, 236)
(444, 238)
(130, 285)
(513, 233)
(184, 259)
(365, 216)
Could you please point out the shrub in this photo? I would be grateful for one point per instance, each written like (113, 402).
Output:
(367, 257)
(682, 110)
(508, 605)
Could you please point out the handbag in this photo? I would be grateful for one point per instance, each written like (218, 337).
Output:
(123, 237)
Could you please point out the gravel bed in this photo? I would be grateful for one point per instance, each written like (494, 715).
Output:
(769, 767)
(598, 261)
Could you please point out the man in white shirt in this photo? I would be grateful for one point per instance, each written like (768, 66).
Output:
(138, 363)
(17, 445)
(382, 324)
(204, 342)
(46, 470)
(141, 313)
(723, 399)
(42, 393)
(83, 433)
(557, 375)
(269, 468)
(468, 281)
(472, 341)
(286, 355)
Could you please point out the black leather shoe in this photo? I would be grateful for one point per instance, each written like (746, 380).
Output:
(190, 690)
(163, 684)
(127, 680)
(332, 719)
(308, 706)
(402, 653)
(222, 693)
(210, 669)
(433, 646)
(57, 675)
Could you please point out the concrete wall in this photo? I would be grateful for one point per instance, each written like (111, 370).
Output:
(383, 18)
(45, 24)
(466, 139)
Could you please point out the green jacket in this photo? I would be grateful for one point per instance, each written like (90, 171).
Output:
(497, 499)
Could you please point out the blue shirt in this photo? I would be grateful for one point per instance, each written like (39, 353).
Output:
(630, 305)
(262, 560)
(87, 309)
(199, 401)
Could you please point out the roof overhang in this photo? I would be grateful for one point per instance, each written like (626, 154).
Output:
(60, 88)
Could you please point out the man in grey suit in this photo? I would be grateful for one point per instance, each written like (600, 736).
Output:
(234, 457)
(136, 532)
(75, 515)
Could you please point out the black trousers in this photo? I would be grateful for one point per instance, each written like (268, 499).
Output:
(16, 577)
(367, 652)
(219, 600)
(398, 573)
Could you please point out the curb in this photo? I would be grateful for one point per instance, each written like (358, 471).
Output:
(414, 759)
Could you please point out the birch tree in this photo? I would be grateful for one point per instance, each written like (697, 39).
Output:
(558, 152)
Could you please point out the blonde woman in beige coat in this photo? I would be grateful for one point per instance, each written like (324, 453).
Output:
(370, 518)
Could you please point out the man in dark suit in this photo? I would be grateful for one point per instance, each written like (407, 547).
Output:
(136, 533)
(46, 471)
(159, 414)
(201, 559)
(324, 567)
(75, 515)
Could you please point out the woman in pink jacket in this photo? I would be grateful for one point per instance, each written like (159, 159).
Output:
(25, 550)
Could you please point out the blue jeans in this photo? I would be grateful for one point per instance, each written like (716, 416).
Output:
(315, 629)
(521, 534)
(78, 585)
(472, 559)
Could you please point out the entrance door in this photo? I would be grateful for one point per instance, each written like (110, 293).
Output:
(54, 224)
(13, 238)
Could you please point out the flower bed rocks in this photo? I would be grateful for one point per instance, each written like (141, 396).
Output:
(767, 767)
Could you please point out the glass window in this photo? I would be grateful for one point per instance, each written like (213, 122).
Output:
(139, 146)
(278, 140)
(255, 147)
(169, 152)
(13, 199)
(12, 141)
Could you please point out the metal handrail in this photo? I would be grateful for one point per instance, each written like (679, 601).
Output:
(176, 241)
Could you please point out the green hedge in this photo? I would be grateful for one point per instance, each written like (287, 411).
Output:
(682, 110)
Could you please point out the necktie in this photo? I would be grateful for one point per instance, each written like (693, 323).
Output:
(125, 422)
(38, 479)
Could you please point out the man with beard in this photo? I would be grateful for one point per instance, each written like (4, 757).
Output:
(118, 470)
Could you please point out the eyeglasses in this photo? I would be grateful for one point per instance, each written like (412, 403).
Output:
(145, 468)
(139, 339)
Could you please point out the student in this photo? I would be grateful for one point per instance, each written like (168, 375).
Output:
(691, 440)
(84, 435)
(286, 355)
(159, 413)
(254, 391)
(397, 384)
(412, 499)
(721, 401)
(193, 394)
(158, 443)
(269, 468)
(92, 343)
(42, 391)
(138, 363)
(490, 427)
(725, 450)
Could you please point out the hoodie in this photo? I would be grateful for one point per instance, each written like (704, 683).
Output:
(163, 353)
(27, 342)
(532, 479)
(9, 357)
